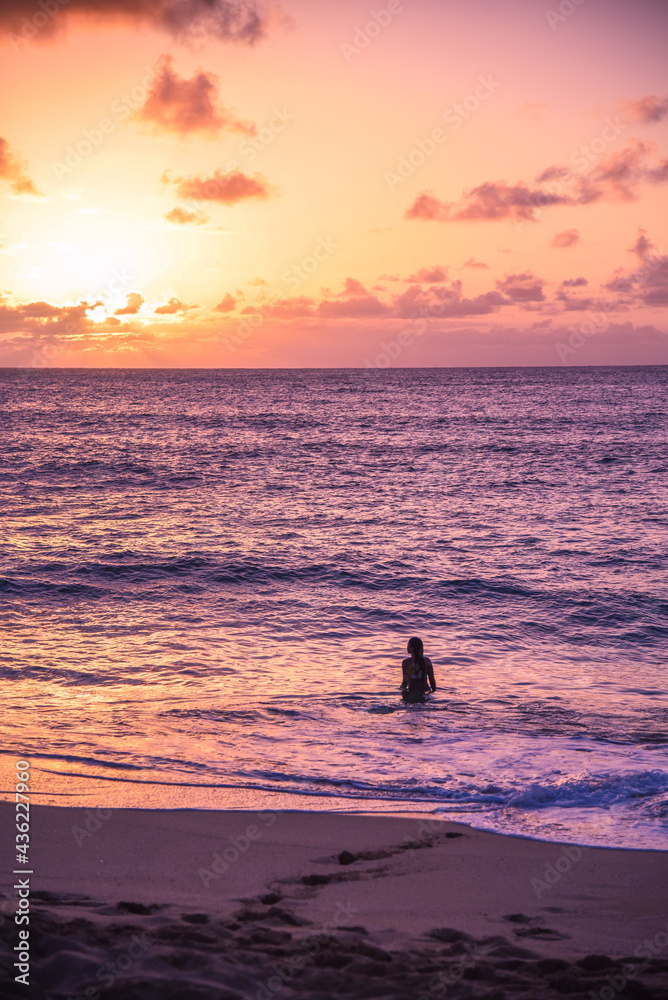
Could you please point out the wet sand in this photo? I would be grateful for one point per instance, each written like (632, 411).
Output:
(144, 904)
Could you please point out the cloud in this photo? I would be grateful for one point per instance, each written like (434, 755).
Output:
(648, 285)
(642, 246)
(352, 286)
(175, 104)
(134, 301)
(172, 307)
(226, 304)
(361, 305)
(486, 202)
(616, 177)
(574, 282)
(646, 110)
(226, 189)
(429, 275)
(13, 170)
(445, 302)
(181, 217)
(473, 263)
(567, 238)
(244, 21)
(524, 287)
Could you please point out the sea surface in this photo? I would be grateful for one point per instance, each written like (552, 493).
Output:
(208, 579)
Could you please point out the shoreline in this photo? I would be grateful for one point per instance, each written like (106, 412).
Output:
(428, 895)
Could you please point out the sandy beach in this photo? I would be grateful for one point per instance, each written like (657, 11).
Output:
(226, 905)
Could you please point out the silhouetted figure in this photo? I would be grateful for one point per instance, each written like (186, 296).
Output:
(418, 672)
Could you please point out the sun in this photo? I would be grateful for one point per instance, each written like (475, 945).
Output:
(91, 255)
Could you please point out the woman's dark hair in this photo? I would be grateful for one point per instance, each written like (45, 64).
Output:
(417, 651)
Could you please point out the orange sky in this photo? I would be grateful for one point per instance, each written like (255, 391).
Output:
(249, 185)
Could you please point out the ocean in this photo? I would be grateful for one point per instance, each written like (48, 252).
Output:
(209, 577)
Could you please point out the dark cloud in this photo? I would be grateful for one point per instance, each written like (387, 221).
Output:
(524, 287)
(243, 21)
(574, 282)
(133, 303)
(648, 285)
(642, 246)
(226, 189)
(181, 217)
(175, 104)
(490, 201)
(647, 110)
(226, 304)
(475, 264)
(616, 177)
(568, 238)
(13, 170)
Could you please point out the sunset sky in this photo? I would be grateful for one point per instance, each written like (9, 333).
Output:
(205, 183)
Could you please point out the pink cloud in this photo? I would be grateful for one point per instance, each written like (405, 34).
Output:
(175, 104)
(647, 110)
(429, 275)
(567, 238)
(524, 287)
(616, 177)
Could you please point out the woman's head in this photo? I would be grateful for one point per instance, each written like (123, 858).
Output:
(415, 648)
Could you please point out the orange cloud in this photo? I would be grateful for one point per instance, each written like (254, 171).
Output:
(227, 189)
(568, 238)
(172, 307)
(134, 302)
(429, 275)
(181, 217)
(12, 169)
(175, 104)
(226, 304)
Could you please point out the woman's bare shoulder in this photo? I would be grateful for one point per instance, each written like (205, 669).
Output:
(407, 661)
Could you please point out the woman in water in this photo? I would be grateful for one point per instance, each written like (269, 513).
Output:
(418, 673)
